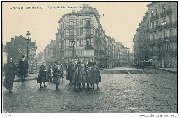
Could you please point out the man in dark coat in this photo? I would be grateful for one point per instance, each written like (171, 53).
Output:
(23, 68)
(57, 75)
(70, 71)
(42, 75)
(9, 69)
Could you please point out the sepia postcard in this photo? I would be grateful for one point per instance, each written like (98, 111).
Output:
(90, 57)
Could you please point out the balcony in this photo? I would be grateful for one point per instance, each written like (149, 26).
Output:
(161, 27)
(167, 12)
(71, 37)
(88, 36)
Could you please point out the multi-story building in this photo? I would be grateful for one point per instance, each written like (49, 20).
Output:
(163, 33)
(18, 47)
(109, 51)
(80, 36)
(156, 37)
(117, 54)
(140, 40)
(51, 53)
(40, 59)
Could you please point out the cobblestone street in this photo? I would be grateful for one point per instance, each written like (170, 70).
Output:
(126, 92)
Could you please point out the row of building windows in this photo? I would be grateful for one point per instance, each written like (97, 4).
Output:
(162, 21)
(163, 9)
(77, 22)
(80, 53)
(163, 34)
(79, 42)
(167, 46)
(78, 32)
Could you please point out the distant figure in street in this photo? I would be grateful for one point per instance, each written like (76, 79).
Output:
(83, 66)
(50, 74)
(96, 78)
(23, 68)
(42, 76)
(78, 76)
(56, 75)
(88, 74)
(70, 73)
(9, 69)
(62, 72)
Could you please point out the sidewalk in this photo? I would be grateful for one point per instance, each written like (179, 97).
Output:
(171, 70)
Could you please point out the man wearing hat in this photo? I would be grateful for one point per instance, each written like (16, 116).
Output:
(23, 68)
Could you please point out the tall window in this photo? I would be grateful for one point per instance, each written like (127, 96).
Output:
(151, 13)
(163, 9)
(153, 36)
(81, 21)
(169, 6)
(171, 32)
(88, 22)
(157, 23)
(67, 32)
(88, 31)
(163, 20)
(156, 11)
(88, 42)
(164, 33)
(170, 19)
(77, 22)
(152, 24)
(71, 23)
(81, 31)
(77, 43)
(77, 31)
(71, 32)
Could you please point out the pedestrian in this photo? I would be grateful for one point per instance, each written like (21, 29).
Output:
(42, 75)
(88, 74)
(9, 70)
(96, 78)
(62, 72)
(23, 68)
(56, 75)
(78, 76)
(70, 73)
(50, 74)
(83, 75)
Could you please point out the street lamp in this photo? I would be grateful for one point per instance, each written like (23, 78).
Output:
(27, 35)
(73, 43)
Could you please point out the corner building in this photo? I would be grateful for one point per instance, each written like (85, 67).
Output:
(83, 30)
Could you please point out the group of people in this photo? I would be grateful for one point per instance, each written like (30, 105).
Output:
(10, 70)
(79, 75)
(51, 75)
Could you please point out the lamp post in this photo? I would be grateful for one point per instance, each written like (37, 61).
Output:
(73, 43)
(27, 35)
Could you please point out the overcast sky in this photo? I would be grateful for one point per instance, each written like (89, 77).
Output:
(120, 19)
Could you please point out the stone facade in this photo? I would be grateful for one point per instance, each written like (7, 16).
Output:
(156, 37)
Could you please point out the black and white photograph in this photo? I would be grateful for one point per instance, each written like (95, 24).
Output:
(90, 57)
